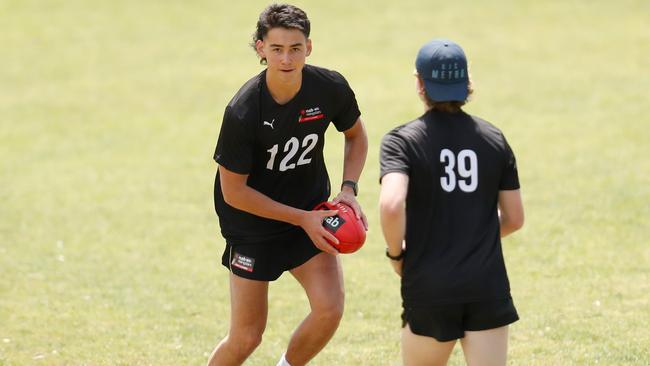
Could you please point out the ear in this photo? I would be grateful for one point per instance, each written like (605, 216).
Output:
(419, 85)
(259, 48)
(308, 45)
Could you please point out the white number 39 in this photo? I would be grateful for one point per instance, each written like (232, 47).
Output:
(467, 170)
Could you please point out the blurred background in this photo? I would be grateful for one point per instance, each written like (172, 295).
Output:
(109, 113)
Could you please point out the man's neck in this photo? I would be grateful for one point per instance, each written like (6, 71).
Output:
(282, 91)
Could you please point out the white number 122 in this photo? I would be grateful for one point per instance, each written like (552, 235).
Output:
(291, 148)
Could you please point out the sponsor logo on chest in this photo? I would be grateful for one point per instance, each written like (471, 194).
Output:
(310, 114)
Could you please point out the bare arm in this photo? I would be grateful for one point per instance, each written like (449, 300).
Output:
(238, 194)
(511, 211)
(356, 150)
(392, 212)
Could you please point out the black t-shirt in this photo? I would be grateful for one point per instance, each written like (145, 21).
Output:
(457, 164)
(280, 147)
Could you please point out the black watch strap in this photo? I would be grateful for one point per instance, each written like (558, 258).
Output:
(396, 257)
(352, 184)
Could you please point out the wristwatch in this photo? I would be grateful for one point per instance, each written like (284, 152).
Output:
(396, 257)
(352, 184)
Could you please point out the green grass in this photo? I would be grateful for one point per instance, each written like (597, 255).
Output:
(109, 112)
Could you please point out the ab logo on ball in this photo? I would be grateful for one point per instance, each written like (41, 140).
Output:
(333, 223)
(348, 229)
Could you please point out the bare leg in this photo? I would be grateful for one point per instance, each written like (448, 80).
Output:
(486, 347)
(322, 279)
(419, 350)
(248, 313)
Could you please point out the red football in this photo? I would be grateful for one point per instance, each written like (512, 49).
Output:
(345, 226)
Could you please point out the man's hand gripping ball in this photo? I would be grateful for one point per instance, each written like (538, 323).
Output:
(345, 226)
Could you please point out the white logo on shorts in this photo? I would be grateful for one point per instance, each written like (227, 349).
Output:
(243, 262)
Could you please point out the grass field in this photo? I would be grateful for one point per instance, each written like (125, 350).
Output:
(109, 112)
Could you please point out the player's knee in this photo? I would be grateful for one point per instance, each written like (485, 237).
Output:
(336, 312)
(331, 311)
(246, 341)
(251, 340)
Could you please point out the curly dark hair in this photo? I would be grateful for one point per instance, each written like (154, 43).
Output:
(280, 15)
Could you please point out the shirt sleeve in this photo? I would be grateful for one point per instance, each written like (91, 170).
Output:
(510, 177)
(393, 155)
(234, 149)
(346, 102)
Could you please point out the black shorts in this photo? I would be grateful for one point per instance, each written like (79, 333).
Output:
(449, 322)
(267, 260)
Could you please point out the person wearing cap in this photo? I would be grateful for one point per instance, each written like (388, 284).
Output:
(449, 193)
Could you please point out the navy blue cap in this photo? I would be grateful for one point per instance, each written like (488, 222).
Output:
(442, 65)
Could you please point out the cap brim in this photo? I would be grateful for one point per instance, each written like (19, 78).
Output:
(446, 92)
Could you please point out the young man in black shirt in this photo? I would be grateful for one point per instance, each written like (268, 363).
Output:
(449, 193)
(271, 174)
